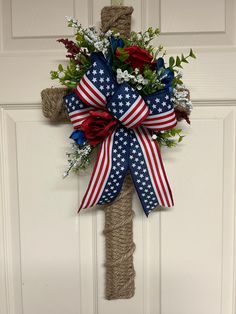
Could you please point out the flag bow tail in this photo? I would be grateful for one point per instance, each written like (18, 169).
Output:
(147, 171)
(109, 171)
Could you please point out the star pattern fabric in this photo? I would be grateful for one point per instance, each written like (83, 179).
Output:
(128, 106)
(162, 115)
(97, 84)
(159, 102)
(120, 153)
(141, 178)
(76, 109)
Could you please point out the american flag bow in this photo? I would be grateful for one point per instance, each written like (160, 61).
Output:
(130, 147)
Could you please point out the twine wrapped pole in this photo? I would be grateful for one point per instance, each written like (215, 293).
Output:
(119, 245)
(52, 104)
(119, 215)
(118, 230)
(117, 18)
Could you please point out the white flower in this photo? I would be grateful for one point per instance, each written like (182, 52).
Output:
(146, 37)
(139, 36)
(89, 40)
(154, 136)
(65, 174)
(109, 33)
(69, 18)
(98, 45)
(116, 35)
(124, 76)
(84, 50)
(61, 75)
(73, 22)
(120, 80)
(145, 81)
(181, 98)
(139, 78)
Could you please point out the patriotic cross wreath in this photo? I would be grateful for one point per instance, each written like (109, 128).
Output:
(124, 99)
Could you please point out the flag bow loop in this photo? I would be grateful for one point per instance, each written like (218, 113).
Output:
(128, 106)
(129, 147)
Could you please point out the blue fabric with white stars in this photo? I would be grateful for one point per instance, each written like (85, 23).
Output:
(159, 102)
(122, 100)
(101, 76)
(73, 102)
(120, 157)
(128, 157)
(139, 172)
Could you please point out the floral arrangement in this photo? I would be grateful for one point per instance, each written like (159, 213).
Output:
(131, 62)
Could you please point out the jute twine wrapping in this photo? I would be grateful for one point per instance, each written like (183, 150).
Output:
(117, 18)
(119, 245)
(118, 231)
(52, 104)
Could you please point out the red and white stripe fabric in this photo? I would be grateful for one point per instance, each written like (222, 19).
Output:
(78, 116)
(100, 174)
(161, 121)
(136, 114)
(89, 93)
(155, 166)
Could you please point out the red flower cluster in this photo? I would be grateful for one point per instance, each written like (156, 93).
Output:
(138, 57)
(71, 47)
(98, 126)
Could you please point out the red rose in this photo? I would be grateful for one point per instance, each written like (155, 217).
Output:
(97, 126)
(138, 57)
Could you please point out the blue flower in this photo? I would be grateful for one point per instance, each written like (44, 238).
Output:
(166, 75)
(79, 137)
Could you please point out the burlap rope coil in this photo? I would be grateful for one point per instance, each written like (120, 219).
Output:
(117, 18)
(118, 231)
(119, 245)
(52, 104)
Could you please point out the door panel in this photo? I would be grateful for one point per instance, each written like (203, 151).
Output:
(54, 258)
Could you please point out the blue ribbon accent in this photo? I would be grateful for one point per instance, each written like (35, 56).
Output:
(116, 43)
(166, 74)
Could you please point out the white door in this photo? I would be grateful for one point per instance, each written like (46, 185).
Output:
(51, 258)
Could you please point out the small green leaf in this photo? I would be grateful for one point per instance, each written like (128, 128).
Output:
(171, 62)
(178, 62)
(191, 53)
(79, 37)
(180, 138)
(122, 54)
(83, 59)
(183, 59)
(60, 68)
